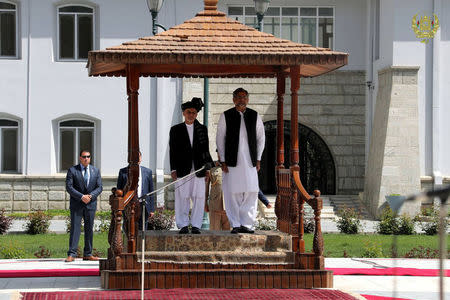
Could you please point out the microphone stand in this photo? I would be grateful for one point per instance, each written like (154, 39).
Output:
(443, 195)
(142, 199)
(173, 182)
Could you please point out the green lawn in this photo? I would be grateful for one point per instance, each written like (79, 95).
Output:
(355, 245)
(335, 244)
(58, 244)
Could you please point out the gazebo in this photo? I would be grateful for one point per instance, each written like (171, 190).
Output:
(212, 45)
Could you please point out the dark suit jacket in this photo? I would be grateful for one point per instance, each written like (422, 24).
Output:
(147, 185)
(182, 154)
(76, 187)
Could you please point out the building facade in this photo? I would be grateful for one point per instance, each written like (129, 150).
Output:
(375, 127)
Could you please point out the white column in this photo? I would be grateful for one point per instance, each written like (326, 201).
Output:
(168, 113)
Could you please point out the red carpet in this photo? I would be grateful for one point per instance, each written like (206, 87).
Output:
(336, 271)
(370, 297)
(388, 271)
(195, 294)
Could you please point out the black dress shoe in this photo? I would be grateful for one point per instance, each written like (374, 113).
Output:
(184, 230)
(195, 230)
(244, 229)
(235, 230)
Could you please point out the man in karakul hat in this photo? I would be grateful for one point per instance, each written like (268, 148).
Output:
(240, 142)
(189, 151)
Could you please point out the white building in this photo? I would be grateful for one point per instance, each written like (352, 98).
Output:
(354, 120)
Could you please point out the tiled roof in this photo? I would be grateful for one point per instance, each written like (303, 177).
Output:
(213, 40)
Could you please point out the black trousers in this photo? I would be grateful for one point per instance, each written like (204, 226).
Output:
(76, 215)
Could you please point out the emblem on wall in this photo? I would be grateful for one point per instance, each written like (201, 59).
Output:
(425, 28)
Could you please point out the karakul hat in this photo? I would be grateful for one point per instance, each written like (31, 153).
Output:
(196, 103)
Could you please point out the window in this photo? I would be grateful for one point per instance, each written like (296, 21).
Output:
(74, 136)
(307, 25)
(9, 146)
(75, 32)
(8, 40)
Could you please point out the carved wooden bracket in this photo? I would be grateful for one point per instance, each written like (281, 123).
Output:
(317, 204)
(115, 229)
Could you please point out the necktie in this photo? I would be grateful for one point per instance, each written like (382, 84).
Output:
(85, 176)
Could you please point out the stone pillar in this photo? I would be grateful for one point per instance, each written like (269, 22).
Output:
(393, 162)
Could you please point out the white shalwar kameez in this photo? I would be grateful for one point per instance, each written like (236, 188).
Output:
(190, 188)
(240, 185)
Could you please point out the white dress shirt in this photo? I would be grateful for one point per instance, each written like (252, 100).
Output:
(139, 189)
(190, 130)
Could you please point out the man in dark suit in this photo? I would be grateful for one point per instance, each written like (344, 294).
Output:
(145, 186)
(84, 184)
(189, 151)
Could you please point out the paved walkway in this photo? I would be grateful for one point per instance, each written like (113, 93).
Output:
(411, 287)
(59, 226)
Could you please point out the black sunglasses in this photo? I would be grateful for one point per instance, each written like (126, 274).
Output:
(86, 156)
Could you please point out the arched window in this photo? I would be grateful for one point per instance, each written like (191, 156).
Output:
(318, 171)
(8, 29)
(75, 32)
(74, 136)
(9, 146)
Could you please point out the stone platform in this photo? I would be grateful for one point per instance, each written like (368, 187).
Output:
(208, 240)
(215, 259)
(263, 247)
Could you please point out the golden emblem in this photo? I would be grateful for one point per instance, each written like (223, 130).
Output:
(425, 28)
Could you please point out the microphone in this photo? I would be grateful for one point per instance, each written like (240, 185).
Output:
(442, 193)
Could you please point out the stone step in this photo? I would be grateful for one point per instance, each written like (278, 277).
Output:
(222, 257)
(328, 211)
(172, 241)
(331, 206)
(350, 201)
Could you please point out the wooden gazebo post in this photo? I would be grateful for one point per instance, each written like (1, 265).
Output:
(298, 243)
(130, 189)
(213, 45)
(281, 88)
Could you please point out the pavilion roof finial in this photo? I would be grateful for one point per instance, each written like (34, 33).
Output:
(211, 4)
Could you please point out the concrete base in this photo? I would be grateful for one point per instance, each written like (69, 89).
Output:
(393, 162)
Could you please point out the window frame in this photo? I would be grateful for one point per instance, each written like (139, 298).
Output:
(16, 10)
(77, 142)
(18, 145)
(76, 14)
(298, 16)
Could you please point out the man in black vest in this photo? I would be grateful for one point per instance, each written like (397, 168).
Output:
(240, 142)
(189, 151)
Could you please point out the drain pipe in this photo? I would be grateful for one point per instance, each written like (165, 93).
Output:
(370, 14)
(205, 221)
(26, 170)
(437, 8)
(436, 106)
(206, 100)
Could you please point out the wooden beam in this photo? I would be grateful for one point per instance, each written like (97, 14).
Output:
(105, 68)
(207, 70)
